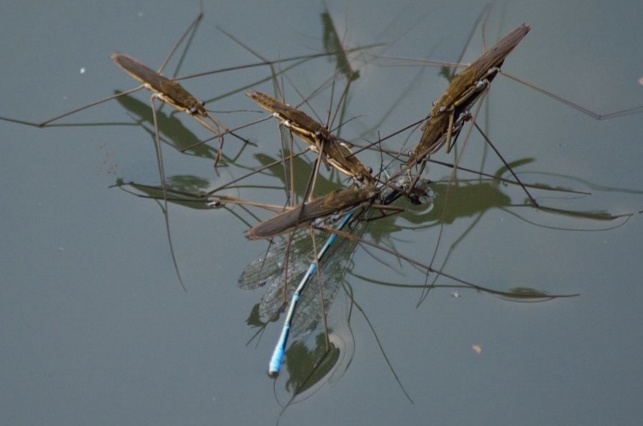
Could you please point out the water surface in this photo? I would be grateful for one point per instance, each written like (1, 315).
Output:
(98, 330)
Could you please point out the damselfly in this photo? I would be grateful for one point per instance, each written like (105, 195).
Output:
(318, 271)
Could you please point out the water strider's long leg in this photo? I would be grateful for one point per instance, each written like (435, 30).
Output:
(166, 212)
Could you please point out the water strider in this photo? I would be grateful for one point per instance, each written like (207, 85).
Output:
(168, 91)
(315, 135)
(172, 93)
(463, 92)
(453, 108)
(304, 213)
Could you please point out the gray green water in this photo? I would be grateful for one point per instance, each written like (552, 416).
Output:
(96, 329)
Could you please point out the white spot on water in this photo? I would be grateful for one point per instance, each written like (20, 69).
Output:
(83, 70)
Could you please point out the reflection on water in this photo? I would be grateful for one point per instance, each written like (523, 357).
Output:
(171, 130)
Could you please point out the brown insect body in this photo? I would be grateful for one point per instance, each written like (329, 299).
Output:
(315, 135)
(306, 212)
(446, 117)
(168, 91)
